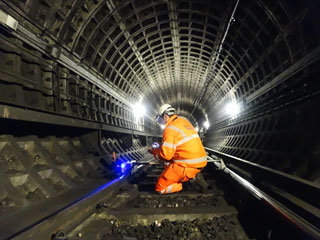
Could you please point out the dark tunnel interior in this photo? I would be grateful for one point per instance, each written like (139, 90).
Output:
(76, 68)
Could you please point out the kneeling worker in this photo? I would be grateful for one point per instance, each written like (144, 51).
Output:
(181, 148)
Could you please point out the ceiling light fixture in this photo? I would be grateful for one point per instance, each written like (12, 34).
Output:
(232, 109)
(206, 124)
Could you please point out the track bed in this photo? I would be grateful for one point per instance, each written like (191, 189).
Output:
(137, 212)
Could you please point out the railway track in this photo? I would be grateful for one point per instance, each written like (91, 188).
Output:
(137, 212)
(63, 188)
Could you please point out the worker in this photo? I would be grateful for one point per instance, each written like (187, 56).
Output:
(181, 149)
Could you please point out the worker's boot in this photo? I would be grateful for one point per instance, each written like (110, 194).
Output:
(199, 183)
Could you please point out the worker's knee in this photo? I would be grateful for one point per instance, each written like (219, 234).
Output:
(175, 187)
(163, 191)
(160, 189)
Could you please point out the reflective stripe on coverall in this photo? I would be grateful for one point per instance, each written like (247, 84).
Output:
(182, 147)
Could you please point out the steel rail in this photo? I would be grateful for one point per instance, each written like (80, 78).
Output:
(67, 217)
(302, 188)
(289, 215)
(70, 215)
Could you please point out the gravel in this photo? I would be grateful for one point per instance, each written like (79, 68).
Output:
(6, 203)
(37, 194)
(171, 202)
(215, 228)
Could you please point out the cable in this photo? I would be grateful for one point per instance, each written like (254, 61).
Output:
(231, 19)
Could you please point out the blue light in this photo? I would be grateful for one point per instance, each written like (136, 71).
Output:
(95, 191)
(102, 187)
(122, 166)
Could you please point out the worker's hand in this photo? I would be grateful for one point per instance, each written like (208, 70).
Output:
(155, 145)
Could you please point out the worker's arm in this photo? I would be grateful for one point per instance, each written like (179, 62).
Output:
(168, 147)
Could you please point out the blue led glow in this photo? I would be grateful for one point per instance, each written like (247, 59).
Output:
(95, 191)
(122, 166)
(104, 186)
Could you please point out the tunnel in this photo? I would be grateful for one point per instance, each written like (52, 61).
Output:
(81, 82)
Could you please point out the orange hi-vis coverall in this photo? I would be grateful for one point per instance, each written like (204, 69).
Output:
(182, 147)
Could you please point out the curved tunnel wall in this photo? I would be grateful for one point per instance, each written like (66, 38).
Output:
(197, 55)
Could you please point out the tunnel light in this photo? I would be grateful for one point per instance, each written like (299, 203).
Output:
(232, 109)
(197, 129)
(206, 124)
(162, 126)
(139, 110)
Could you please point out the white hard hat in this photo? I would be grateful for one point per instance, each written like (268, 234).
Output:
(166, 108)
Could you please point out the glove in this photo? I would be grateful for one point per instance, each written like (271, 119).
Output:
(155, 145)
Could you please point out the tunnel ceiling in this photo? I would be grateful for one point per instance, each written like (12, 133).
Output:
(195, 55)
